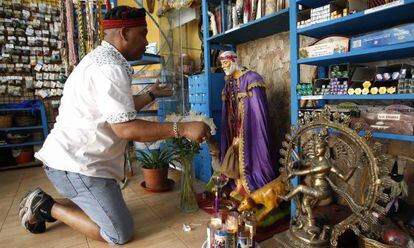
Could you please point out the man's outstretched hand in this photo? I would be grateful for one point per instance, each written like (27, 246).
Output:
(161, 90)
(195, 130)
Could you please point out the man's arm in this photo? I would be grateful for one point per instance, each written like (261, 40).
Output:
(157, 90)
(147, 131)
(141, 101)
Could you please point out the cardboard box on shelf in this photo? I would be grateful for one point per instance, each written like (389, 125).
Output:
(392, 36)
(334, 46)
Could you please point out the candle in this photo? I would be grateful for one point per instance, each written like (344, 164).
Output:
(250, 228)
(213, 225)
(232, 221)
(216, 221)
(232, 226)
(216, 203)
(220, 238)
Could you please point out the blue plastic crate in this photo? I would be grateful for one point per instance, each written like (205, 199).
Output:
(202, 164)
(201, 101)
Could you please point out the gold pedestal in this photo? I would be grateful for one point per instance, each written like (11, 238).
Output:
(288, 239)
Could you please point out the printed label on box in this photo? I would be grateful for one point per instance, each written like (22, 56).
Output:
(389, 117)
(324, 49)
(312, 97)
(385, 6)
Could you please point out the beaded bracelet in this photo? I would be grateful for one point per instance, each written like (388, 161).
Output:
(175, 130)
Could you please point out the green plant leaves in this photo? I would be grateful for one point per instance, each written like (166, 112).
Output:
(173, 151)
(156, 159)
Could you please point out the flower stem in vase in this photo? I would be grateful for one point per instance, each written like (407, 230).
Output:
(188, 201)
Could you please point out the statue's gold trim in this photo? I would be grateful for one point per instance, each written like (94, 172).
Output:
(241, 148)
(256, 84)
(242, 95)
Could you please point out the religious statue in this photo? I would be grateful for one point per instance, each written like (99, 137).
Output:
(318, 167)
(245, 154)
(338, 167)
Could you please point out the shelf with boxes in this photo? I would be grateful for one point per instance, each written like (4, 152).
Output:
(227, 16)
(265, 26)
(395, 40)
(393, 122)
(367, 33)
(362, 21)
(348, 80)
(333, 10)
(239, 22)
(397, 51)
(23, 125)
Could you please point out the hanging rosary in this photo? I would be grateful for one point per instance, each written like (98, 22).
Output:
(82, 51)
(98, 16)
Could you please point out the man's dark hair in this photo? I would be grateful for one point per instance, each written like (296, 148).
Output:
(124, 13)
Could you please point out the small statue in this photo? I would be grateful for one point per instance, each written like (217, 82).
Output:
(268, 196)
(318, 168)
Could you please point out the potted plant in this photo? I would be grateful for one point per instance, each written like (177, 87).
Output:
(155, 164)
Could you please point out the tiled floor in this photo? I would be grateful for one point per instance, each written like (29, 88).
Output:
(158, 221)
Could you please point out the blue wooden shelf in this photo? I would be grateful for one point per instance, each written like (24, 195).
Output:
(22, 144)
(313, 3)
(147, 113)
(360, 97)
(136, 81)
(265, 26)
(360, 22)
(17, 109)
(397, 51)
(147, 59)
(392, 136)
(20, 128)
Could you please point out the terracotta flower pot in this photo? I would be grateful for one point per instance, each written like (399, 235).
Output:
(155, 178)
(24, 157)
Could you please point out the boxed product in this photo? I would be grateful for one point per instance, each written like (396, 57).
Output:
(397, 119)
(337, 45)
(392, 36)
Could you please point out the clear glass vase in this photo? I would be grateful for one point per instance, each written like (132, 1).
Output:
(188, 201)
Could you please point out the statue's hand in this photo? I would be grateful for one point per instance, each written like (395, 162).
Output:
(214, 149)
(290, 174)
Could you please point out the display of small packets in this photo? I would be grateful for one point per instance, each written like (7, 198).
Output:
(3, 89)
(14, 90)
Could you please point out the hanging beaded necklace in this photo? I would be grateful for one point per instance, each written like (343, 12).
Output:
(98, 16)
(89, 26)
(82, 51)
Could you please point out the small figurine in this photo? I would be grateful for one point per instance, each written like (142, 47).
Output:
(267, 195)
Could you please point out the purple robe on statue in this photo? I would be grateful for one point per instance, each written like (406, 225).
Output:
(245, 116)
